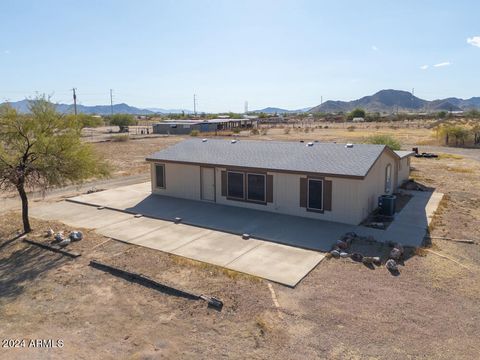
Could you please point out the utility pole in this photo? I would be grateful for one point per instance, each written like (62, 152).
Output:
(246, 107)
(321, 100)
(74, 101)
(195, 104)
(111, 101)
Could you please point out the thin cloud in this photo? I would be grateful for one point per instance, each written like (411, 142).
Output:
(7, 52)
(474, 41)
(424, 67)
(442, 64)
(375, 48)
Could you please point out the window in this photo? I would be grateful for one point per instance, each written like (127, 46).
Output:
(235, 188)
(160, 176)
(315, 194)
(256, 187)
(388, 178)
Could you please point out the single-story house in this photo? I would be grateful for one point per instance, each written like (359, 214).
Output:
(328, 181)
(185, 127)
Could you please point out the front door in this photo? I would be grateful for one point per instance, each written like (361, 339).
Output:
(207, 183)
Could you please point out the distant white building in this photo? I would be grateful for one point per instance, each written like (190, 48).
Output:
(358, 119)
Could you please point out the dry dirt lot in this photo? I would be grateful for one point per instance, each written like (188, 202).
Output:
(127, 157)
(341, 310)
(413, 133)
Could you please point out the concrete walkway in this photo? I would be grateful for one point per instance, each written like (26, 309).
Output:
(408, 228)
(283, 264)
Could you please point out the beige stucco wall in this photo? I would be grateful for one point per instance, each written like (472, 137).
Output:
(403, 170)
(374, 184)
(183, 181)
(286, 198)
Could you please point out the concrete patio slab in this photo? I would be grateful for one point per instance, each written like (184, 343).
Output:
(268, 260)
(217, 248)
(79, 215)
(132, 228)
(171, 237)
(193, 242)
(408, 228)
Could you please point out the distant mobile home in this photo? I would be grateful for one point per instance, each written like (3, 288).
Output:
(328, 181)
(179, 127)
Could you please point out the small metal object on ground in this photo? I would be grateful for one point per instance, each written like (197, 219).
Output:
(137, 215)
(145, 281)
(52, 248)
(245, 236)
(177, 220)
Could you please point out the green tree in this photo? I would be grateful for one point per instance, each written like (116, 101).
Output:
(42, 150)
(356, 113)
(388, 140)
(121, 120)
(442, 114)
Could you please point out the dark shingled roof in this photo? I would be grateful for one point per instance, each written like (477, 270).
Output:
(323, 158)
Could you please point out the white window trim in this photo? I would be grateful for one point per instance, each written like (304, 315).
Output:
(264, 188)
(164, 177)
(308, 194)
(243, 184)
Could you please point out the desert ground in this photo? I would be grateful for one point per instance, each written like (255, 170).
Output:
(341, 310)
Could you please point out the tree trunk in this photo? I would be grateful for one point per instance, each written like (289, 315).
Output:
(23, 196)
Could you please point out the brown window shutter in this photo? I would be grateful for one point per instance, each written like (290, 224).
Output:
(303, 192)
(327, 196)
(224, 183)
(269, 188)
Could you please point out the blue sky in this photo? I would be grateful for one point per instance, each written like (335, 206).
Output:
(271, 53)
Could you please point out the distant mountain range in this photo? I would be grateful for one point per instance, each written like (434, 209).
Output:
(22, 106)
(384, 101)
(273, 110)
(389, 101)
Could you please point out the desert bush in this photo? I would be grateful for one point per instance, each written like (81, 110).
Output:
(264, 131)
(194, 133)
(236, 131)
(254, 131)
(388, 140)
(286, 131)
(351, 128)
(121, 120)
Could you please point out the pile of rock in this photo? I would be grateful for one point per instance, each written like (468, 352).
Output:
(394, 257)
(62, 241)
(340, 250)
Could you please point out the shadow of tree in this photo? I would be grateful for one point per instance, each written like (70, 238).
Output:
(20, 266)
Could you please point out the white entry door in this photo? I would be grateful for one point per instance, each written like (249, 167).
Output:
(207, 180)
